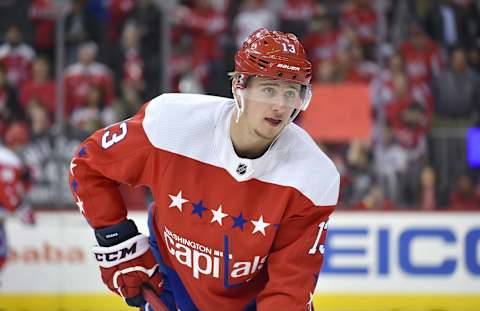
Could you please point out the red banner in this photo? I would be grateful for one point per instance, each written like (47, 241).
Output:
(338, 113)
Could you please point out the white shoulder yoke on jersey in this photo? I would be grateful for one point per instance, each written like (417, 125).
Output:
(197, 126)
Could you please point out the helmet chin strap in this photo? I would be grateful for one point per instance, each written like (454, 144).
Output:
(240, 105)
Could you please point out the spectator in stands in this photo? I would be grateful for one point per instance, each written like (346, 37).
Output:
(457, 90)
(409, 118)
(294, 16)
(474, 59)
(422, 56)
(93, 115)
(118, 11)
(353, 67)
(147, 16)
(453, 23)
(360, 176)
(348, 38)
(410, 121)
(17, 136)
(385, 90)
(40, 87)
(127, 59)
(345, 67)
(468, 12)
(207, 27)
(253, 15)
(428, 184)
(326, 72)
(10, 110)
(42, 14)
(442, 23)
(390, 161)
(16, 56)
(185, 74)
(97, 11)
(362, 18)
(39, 119)
(81, 76)
(322, 42)
(465, 196)
(13, 12)
(128, 103)
(79, 28)
(382, 85)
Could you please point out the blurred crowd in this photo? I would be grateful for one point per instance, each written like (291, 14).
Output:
(420, 60)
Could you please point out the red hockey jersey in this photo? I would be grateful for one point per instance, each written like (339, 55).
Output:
(230, 230)
(11, 185)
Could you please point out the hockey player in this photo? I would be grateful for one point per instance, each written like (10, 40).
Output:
(13, 187)
(242, 196)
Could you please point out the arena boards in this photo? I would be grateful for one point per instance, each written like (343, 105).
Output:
(374, 261)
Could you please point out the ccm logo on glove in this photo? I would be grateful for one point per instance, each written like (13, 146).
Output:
(115, 255)
(110, 256)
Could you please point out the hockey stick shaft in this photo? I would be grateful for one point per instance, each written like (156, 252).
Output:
(153, 300)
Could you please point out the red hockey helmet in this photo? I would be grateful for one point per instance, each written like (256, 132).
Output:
(276, 55)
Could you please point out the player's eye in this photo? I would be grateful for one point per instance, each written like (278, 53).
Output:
(269, 91)
(291, 94)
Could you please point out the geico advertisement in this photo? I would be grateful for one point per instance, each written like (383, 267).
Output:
(402, 252)
(364, 252)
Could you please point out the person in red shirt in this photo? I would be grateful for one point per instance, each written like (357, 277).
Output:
(16, 56)
(119, 10)
(409, 117)
(206, 25)
(322, 43)
(422, 56)
(362, 18)
(242, 195)
(82, 75)
(42, 14)
(352, 66)
(40, 87)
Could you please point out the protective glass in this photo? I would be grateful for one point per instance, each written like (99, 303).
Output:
(289, 95)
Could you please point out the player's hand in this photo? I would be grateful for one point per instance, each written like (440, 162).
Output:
(126, 262)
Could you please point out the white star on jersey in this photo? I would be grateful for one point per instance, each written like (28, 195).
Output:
(72, 166)
(177, 200)
(218, 215)
(259, 225)
(80, 205)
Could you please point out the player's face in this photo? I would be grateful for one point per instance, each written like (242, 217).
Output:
(269, 103)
